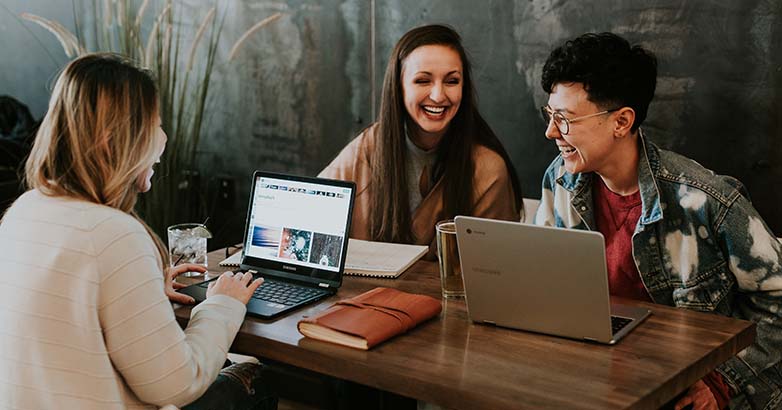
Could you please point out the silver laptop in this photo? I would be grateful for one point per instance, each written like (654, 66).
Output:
(541, 279)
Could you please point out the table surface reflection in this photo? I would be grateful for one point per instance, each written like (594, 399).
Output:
(454, 363)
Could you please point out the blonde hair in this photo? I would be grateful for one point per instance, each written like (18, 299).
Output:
(98, 135)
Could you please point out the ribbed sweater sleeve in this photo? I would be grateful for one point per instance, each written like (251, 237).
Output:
(161, 363)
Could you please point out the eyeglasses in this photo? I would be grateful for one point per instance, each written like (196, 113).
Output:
(562, 123)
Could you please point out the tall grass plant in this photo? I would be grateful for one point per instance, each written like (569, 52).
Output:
(183, 62)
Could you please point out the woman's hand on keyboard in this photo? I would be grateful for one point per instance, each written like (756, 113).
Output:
(236, 285)
(171, 285)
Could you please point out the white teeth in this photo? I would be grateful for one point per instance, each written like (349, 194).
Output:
(566, 150)
(434, 110)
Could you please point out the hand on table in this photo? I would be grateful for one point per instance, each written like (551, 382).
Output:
(171, 286)
(237, 286)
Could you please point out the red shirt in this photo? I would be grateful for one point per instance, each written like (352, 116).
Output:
(616, 218)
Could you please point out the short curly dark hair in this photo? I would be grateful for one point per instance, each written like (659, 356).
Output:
(614, 74)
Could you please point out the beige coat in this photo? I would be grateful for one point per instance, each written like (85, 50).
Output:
(492, 196)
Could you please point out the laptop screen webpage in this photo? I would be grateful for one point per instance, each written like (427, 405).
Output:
(299, 226)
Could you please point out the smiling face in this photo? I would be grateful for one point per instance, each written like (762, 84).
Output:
(589, 145)
(144, 181)
(432, 89)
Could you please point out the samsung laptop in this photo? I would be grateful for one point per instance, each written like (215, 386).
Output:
(540, 279)
(296, 238)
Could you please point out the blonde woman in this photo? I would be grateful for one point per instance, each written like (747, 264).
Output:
(86, 321)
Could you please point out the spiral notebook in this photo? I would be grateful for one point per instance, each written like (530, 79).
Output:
(367, 258)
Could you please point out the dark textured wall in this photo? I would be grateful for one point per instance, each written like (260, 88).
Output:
(719, 76)
(295, 95)
(303, 87)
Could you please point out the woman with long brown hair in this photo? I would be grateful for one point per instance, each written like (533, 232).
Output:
(430, 156)
(84, 288)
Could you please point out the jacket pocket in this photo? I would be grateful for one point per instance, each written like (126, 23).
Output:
(764, 392)
(706, 290)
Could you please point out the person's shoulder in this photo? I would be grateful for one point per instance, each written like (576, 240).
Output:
(352, 160)
(482, 152)
(365, 141)
(92, 216)
(82, 224)
(360, 146)
(674, 165)
(680, 170)
(63, 210)
(487, 161)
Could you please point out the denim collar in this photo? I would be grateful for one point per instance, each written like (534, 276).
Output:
(648, 169)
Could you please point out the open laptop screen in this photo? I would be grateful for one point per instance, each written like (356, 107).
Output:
(298, 226)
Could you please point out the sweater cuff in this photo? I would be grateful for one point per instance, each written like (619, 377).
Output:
(230, 309)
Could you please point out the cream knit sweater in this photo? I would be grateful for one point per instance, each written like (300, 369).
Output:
(84, 321)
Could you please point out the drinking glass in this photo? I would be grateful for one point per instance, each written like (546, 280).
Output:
(187, 244)
(448, 256)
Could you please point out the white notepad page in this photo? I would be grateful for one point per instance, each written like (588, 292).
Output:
(367, 258)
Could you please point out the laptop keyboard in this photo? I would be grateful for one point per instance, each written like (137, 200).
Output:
(618, 323)
(284, 293)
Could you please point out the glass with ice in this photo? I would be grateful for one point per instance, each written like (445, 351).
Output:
(187, 244)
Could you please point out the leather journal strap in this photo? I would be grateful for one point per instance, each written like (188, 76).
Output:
(406, 321)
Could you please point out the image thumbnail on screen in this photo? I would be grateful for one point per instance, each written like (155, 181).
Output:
(326, 249)
(267, 239)
(295, 244)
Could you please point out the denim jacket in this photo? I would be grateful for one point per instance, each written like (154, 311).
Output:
(699, 244)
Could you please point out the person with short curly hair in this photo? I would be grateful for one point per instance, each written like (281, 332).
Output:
(675, 232)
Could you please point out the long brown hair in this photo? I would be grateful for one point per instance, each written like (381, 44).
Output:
(97, 137)
(391, 218)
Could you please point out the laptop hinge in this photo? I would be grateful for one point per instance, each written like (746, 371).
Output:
(591, 339)
(323, 285)
(489, 322)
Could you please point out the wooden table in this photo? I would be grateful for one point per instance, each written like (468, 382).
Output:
(454, 363)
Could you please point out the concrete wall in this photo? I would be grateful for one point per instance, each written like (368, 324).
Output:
(295, 95)
(303, 87)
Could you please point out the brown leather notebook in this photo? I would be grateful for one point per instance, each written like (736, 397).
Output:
(370, 318)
